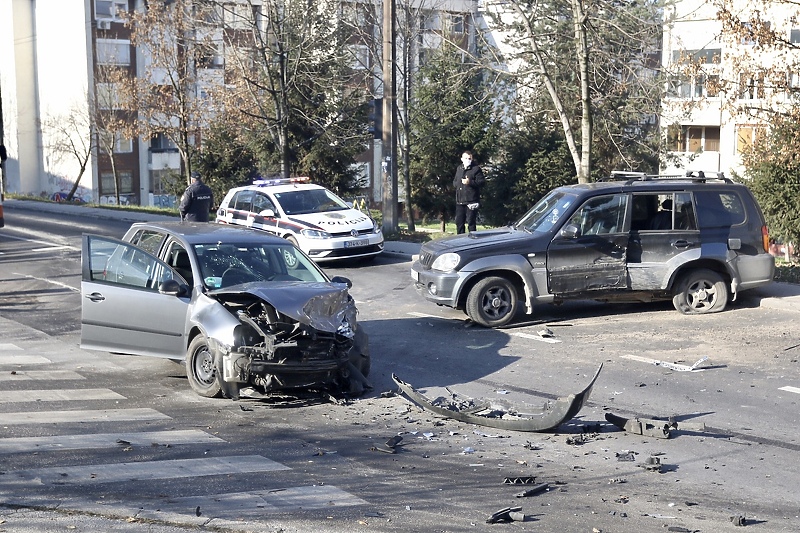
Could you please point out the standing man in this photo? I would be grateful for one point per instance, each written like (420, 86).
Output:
(468, 182)
(196, 201)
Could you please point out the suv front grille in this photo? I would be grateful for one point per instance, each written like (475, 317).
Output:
(426, 258)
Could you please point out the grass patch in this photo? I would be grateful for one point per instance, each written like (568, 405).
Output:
(787, 272)
(171, 211)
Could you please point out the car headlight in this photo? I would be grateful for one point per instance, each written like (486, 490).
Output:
(315, 234)
(376, 228)
(446, 262)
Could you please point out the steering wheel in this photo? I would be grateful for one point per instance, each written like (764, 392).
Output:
(235, 276)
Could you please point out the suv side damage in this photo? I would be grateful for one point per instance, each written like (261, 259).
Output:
(296, 336)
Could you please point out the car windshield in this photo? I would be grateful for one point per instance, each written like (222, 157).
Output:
(547, 213)
(310, 201)
(224, 265)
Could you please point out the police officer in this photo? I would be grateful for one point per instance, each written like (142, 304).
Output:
(196, 201)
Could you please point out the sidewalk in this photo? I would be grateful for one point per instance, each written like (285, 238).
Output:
(783, 296)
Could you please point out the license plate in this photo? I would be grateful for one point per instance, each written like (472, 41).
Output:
(414, 275)
(355, 244)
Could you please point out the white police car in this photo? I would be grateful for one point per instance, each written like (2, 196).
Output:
(317, 221)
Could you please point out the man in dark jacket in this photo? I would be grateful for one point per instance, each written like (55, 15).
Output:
(197, 201)
(468, 182)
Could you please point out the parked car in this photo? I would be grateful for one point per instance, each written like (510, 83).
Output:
(313, 218)
(246, 311)
(698, 240)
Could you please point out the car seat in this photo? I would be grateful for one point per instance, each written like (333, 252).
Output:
(182, 265)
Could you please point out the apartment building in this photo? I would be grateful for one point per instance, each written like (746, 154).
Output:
(724, 85)
(55, 54)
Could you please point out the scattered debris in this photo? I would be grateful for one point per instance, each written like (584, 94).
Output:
(520, 480)
(739, 520)
(394, 441)
(503, 417)
(577, 440)
(541, 487)
(679, 529)
(546, 333)
(617, 480)
(652, 464)
(509, 514)
(626, 455)
(641, 426)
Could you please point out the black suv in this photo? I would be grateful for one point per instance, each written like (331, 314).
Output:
(698, 240)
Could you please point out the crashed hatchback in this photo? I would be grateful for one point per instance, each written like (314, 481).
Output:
(249, 313)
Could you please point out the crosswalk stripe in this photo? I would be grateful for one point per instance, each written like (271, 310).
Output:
(23, 360)
(96, 415)
(40, 375)
(142, 471)
(790, 389)
(253, 504)
(106, 440)
(5, 347)
(58, 395)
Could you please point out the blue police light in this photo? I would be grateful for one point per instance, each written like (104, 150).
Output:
(280, 181)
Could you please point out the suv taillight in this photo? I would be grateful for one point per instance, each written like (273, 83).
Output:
(765, 238)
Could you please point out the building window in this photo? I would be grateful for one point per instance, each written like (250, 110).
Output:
(161, 143)
(751, 87)
(108, 96)
(693, 139)
(110, 9)
(107, 182)
(748, 136)
(360, 54)
(710, 56)
(121, 144)
(113, 52)
(794, 36)
(458, 23)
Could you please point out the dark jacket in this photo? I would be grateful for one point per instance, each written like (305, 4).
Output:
(471, 192)
(196, 202)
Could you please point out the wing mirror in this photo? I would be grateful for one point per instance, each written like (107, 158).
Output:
(171, 287)
(570, 231)
(269, 213)
(342, 279)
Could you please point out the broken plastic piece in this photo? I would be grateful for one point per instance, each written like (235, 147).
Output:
(504, 515)
(641, 426)
(522, 480)
(394, 441)
(553, 415)
(653, 464)
(541, 487)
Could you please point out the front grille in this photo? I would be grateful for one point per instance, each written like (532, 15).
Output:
(347, 252)
(426, 258)
(362, 232)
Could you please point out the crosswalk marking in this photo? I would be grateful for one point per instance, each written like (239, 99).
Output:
(106, 440)
(790, 389)
(253, 504)
(96, 415)
(58, 395)
(23, 360)
(5, 347)
(539, 338)
(142, 471)
(40, 375)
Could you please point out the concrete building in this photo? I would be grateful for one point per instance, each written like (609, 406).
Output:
(724, 86)
(52, 53)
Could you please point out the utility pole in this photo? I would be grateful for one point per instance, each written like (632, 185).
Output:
(389, 137)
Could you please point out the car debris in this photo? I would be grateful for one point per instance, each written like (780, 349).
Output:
(541, 487)
(493, 414)
(509, 514)
(696, 367)
(652, 464)
(650, 427)
(520, 480)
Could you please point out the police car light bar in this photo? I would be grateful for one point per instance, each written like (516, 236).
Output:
(280, 181)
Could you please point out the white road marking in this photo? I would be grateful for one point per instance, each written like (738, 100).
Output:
(66, 417)
(539, 338)
(256, 503)
(8, 346)
(58, 395)
(141, 471)
(106, 440)
(40, 375)
(23, 360)
(49, 245)
(667, 364)
(796, 390)
(425, 315)
(45, 280)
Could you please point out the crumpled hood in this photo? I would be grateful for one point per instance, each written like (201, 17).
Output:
(323, 306)
(336, 221)
(498, 239)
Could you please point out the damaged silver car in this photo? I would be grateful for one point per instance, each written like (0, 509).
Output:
(249, 313)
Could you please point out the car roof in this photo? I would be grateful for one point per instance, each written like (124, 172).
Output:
(661, 185)
(280, 188)
(205, 232)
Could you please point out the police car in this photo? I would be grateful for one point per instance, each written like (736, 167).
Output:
(317, 221)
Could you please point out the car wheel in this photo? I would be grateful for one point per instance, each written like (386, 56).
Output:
(492, 302)
(201, 370)
(700, 291)
(289, 256)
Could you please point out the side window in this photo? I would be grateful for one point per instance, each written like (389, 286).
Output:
(124, 264)
(601, 215)
(262, 202)
(719, 209)
(684, 212)
(243, 200)
(148, 240)
(178, 259)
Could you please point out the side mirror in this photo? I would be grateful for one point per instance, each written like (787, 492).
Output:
(267, 213)
(570, 231)
(342, 279)
(171, 287)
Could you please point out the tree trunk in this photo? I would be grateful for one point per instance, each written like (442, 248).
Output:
(582, 50)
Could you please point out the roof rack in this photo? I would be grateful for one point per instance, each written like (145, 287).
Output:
(280, 181)
(693, 175)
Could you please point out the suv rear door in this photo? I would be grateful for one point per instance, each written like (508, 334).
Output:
(589, 253)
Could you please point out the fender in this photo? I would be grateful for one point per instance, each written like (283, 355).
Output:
(515, 263)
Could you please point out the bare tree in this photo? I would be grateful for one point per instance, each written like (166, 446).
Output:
(70, 137)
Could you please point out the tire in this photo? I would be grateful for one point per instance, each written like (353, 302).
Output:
(699, 292)
(201, 369)
(289, 258)
(359, 353)
(492, 302)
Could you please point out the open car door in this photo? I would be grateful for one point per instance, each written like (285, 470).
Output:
(124, 306)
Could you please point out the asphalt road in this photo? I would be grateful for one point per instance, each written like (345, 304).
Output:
(102, 442)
